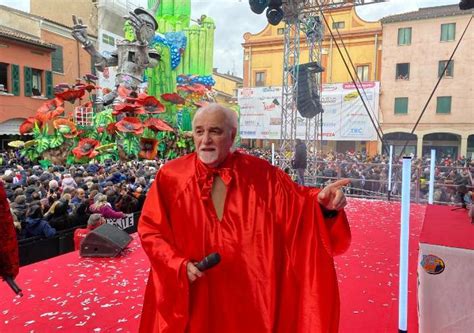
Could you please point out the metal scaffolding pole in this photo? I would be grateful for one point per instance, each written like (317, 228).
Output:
(291, 56)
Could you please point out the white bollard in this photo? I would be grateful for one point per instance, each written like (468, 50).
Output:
(390, 162)
(432, 176)
(404, 237)
(273, 154)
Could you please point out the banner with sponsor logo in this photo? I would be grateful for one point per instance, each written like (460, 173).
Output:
(344, 118)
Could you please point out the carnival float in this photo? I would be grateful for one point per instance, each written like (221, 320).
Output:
(164, 73)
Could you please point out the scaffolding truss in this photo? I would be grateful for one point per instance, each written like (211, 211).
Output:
(303, 16)
(298, 20)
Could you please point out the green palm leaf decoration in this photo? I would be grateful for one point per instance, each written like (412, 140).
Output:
(56, 141)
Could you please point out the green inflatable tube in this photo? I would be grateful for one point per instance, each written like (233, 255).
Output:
(209, 27)
(194, 50)
(202, 51)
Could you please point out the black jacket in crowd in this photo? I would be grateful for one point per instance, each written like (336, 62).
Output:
(300, 160)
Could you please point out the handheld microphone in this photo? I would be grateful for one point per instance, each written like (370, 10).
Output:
(9, 280)
(209, 261)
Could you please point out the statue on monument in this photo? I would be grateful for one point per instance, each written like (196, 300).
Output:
(132, 58)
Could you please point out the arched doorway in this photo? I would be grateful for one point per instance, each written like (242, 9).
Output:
(444, 143)
(398, 141)
(470, 146)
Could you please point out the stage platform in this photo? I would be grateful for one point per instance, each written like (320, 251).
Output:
(71, 294)
(445, 271)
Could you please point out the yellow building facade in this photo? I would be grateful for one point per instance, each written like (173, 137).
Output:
(263, 57)
(226, 87)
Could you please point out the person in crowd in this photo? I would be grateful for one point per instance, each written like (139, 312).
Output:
(19, 207)
(80, 208)
(58, 214)
(94, 221)
(127, 203)
(276, 240)
(140, 196)
(104, 208)
(300, 160)
(78, 198)
(68, 182)
(36, 224)
(471, 209)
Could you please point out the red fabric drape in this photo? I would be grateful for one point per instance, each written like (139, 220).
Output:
(277, 272)
(9, 262)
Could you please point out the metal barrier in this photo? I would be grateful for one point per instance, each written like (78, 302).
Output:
(39, 248)
(446, 191)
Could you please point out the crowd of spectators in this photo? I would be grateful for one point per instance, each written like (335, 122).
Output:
(45, 200)
(369, 174)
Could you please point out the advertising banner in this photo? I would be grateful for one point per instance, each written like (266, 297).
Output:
(344, 117)
(123, 223)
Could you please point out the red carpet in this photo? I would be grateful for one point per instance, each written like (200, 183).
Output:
(448, 227)
(70, 294)
(368, 272)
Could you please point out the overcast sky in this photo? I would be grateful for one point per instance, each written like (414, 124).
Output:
(234, 18)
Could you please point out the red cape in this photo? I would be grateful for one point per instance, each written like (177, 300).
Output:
(9, 263)
(277, 271)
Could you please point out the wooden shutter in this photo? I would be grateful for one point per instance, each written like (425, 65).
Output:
(28, 77)
(15, 72)
(49, 84)
(57, 63)
(401, 105)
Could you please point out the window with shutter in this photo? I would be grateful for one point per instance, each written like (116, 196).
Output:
(15, 80)
(28, 81)
(37, 83)
(57, 63)
(443, 104)
(404, 36)
(449, 70)
(49, 84)
(401, 105)
(448, 32)
(4, 84)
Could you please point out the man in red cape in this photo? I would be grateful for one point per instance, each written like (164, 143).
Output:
(9, 262)
(276, 240)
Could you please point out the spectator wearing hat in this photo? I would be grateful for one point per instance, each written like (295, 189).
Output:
(94, 221)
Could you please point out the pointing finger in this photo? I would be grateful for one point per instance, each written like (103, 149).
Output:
(341, 183)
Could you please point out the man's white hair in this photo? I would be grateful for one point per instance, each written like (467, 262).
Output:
(230, 116)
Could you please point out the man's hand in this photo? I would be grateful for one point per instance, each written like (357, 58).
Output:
(332, 197)
(193, 272)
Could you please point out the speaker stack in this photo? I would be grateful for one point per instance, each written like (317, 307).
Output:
(308, 101)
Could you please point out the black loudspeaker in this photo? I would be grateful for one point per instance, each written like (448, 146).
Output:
(308, 102)
(104, 241)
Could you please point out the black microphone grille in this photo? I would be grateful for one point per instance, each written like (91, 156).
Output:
(213, 259)
(209, 261)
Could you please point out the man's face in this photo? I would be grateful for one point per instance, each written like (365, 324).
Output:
(212, 136)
